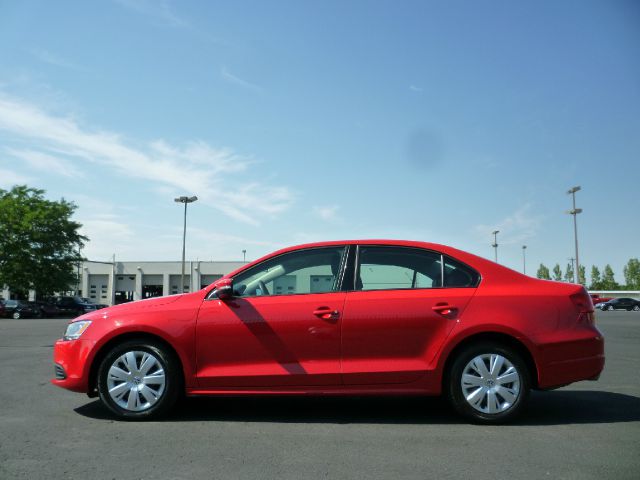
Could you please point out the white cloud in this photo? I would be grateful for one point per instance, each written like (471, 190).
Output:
(196, 168)
(516, 228)
(45, 163)
(52, 59)
(159, 11)
(9, 178)
(327, 212)
(413, 88)
(231, 78)
(107, 233)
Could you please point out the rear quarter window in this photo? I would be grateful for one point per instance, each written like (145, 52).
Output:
(459, 275)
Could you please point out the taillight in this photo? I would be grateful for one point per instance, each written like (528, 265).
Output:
(584, 305)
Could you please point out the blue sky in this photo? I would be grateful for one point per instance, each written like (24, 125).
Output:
(301, 121)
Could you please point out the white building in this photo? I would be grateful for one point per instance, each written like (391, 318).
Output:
(113, 283)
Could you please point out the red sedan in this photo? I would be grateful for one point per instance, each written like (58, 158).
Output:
(341, 318)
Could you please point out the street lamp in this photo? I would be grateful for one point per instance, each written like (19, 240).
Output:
(244, 256)
(185, 200)
(495, 243)
(524, 259)
(572, 260)
(78, 291)
(575, 211)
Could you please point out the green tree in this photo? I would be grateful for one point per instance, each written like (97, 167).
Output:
(568, 275)
(557, 273)
(632, 274)
(39, 242)
(608, 279)
(543, 272)
(596, 280)
(582, 275)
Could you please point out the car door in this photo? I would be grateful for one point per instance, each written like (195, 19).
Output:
(281, 327)
(398, 314)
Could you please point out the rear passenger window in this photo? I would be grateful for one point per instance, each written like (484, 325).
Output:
(390, 268)
(394, 268)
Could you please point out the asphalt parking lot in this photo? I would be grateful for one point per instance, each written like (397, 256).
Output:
(586, 430)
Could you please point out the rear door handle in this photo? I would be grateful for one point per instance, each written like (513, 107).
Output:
(443, 309)
(326, 313)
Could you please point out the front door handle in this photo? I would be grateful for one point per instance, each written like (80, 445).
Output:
(443, 309)
(326, 313)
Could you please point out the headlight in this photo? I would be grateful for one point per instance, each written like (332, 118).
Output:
(75, 329)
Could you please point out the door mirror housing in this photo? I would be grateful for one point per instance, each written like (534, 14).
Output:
(223, 289)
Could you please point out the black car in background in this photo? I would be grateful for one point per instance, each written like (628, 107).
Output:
(620, 304)
(48, 309)
(73, 306)
(19, 309)
(97, 305)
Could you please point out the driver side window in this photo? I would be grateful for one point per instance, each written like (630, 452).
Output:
(315, 270)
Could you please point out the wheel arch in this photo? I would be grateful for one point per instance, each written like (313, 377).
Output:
(121, 338)
(500, 338)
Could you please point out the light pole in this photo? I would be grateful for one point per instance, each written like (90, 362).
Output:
(573, 267)
(495, 243)
(244, 256)
(186, 201)
(524, 259)
(78, 292)
(575, 211)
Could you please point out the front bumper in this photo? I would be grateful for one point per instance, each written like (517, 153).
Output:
(72, 357)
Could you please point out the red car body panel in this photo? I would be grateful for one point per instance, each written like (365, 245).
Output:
(393, 337)
(269, 341)
(379, 342)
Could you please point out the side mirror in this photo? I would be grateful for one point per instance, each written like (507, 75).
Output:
(224, 289)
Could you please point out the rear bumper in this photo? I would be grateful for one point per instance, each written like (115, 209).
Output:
(72, 358)
(571, 361)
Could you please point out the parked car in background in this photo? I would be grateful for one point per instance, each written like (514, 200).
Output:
(620, 304)
(19, 309)
(1, 307)
(374, 317)
(98, 305)
(596, 298)
(74, 306)
(48, 309)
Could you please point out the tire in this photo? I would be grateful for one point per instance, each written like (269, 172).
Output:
(636, 308)
(495, 396)
(130, 392)
(610, 308)
(16, 315)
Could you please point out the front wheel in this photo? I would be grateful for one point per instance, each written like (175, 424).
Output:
(610, 308)
(139, 380)
(636, 308)
(488, 383)
(16, 315)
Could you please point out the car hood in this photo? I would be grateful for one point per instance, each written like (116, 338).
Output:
(130, 307)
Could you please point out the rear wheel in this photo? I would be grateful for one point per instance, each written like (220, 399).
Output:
(139, 380)
(636, 308)
(488, 383)
(16, 315)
